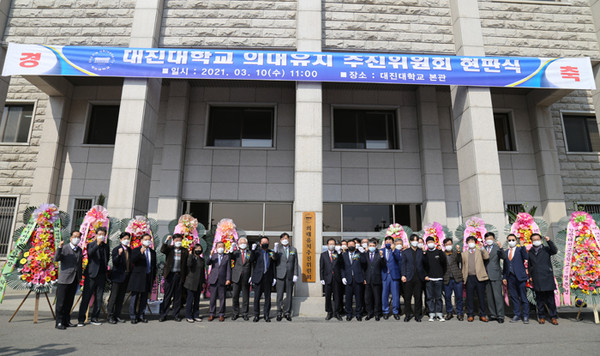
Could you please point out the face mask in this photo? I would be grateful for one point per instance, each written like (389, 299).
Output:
(351, 248)
(388, 245)
(265, 246)
(489, 242)
(243, 246)
(100, 237)
(414, 243)
(372, 249)
(75, 241)
(512, 243)
(177, 244)
(220, 250)
(198, 252)
(364, 245)
(537, 243)
(431, 245)
(471, 245)
(330, 247)
(125, 242)
(338, 249)
(285, 242)
(449, 248)
(146, 243)
(420, 245)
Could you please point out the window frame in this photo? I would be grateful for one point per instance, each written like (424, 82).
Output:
(12, 241)
(239, 105)
(88, 117)
(513, 129)
(73, 201)
(564, 131)
(396, 109)
(21, 102)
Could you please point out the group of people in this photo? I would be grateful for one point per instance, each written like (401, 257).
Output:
(361, 271)
(135, 270)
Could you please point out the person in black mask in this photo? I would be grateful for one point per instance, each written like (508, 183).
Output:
(194, 284)
(263, 276)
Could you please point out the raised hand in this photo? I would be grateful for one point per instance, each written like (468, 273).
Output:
(120, 250)
(61, 243)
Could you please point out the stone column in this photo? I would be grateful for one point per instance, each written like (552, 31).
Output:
(173, 153)
(308, 162)
(473, 115)
(4, 81)
(432, 169)
(134, 145)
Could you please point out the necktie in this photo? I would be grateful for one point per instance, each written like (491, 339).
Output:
(147, 261)
(387, 254)
(371, 256)
(287, 254)
(126, 259)
(330, 257)
(351, 257)
(243, 257)
(266, 258)
(511, 254)
(219, 260)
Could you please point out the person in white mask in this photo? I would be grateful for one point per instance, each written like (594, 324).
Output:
(413, 277)
(515, 278)
(141, 279)
(493, 287)
(453, 281)
(240, 279)
(69, 277)
(119, 277)
(475, 277)
(174, 274)
(218, 280)
(542, 276)
(286, 272)
(435, 265)
(330, 271)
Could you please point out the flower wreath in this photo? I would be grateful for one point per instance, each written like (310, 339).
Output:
(474, 227)
(138, 227)
(188, 227)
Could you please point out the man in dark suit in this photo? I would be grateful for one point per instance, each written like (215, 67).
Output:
(143, 274)
(413, 277)
(330, 269)
(95, 277)
(286, 270)
(218, 279)
(194, 284)
(375, 263)
(69, 276)
(353, 279)
(493, 287)
(390, 278)
(119, 276)
(542, 277)
(240, 275)
(515, 277)
(174, 274)
(263, 276)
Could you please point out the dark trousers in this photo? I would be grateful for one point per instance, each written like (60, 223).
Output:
(545, 299)
(284, 305)
(434, 297)
(192, 303)
(65, 296)
(264, 287)
(413, 289)
(340, 295)
(137, 305)
(332, 297)
(173, 289)
(242, 287)
(95, 287)
(355, 289)
(117, 296)
(217, 291)
(373, 299)
(495, 301)
(473, 284)
(518, 296)
(457, 288)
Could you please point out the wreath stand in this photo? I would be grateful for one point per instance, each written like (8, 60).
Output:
(37, 304)
(596, 309)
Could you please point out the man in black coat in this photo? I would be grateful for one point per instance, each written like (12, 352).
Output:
(330, 269)
(240, 275)
(354, 280)
(218, 279)
(413, 277)
(542, 277)
(174, 275)
(119, 277)
(374, 263)
(141, 279)
(95, 277)
(69, 276)
(263, 276)
(194, 284)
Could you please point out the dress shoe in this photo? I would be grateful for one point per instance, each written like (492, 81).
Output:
(396, 316)
(377, 318)
(95, 321)
(368, 317)
(448, 316)
(221, 318)
(329, 316)
(211, 318)
(348, 317)
(359, 318)
(134, 321)
(178, 318)
(339, 317)
(279, 317)
(407, 318)
(288, 317)
(460, 317)
(246, 317)
(256, 319)
(554, 321)
(112, 321)
(267, 319)
(162, 318)
(542, 321)
(470, 319)
(418, 319)
(492, 318)
(483, 318)
(119, 320)
(515, 319)
(234, 317)
(525, 320)
(60, 326)
(500, 320)
(70, 325)
(144, 320)
(386, 317)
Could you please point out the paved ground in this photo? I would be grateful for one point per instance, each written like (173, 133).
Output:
(302, 336)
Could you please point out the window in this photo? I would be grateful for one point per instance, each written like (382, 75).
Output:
(102, 127)
(16, 123)
(199, 210)
(504, 132)
(515, 208)
(8, 207)
(365, 129)
(590, 208)
(581, 132)
(80, 208)
(241, 126)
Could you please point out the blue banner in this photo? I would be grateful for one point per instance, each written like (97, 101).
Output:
(529, 72)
